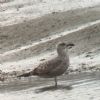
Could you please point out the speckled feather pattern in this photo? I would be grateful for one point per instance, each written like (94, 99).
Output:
(54, 67)
(51, 68)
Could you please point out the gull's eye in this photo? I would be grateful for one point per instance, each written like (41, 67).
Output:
(63, 44)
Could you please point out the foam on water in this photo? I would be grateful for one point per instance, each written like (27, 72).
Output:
(19, 10)
(30, 63)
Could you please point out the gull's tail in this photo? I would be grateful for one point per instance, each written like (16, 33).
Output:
(28, 74)
(25, 75)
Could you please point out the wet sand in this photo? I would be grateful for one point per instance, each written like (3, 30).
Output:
(72, 87)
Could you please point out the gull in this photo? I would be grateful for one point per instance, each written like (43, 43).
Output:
(55, 66)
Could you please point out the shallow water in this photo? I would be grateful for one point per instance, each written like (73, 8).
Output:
(80, 86)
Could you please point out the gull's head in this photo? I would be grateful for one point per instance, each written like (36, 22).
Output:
(63, 45)
(62, 48)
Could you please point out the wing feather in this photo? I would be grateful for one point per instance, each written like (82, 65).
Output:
(47, 67)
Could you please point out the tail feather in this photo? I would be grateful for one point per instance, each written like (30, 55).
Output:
(26, 74)
(34, 72)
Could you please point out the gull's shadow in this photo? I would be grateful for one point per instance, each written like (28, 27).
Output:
(53, 88)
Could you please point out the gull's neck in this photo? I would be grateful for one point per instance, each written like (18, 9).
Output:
(62, 53)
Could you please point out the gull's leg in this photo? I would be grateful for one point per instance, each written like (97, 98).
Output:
(55, 81)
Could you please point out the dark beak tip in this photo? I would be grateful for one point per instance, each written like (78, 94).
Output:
(71, 44)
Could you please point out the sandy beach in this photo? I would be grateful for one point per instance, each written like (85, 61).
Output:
(29, 32)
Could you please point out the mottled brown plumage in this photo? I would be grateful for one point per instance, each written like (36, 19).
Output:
(54, 67)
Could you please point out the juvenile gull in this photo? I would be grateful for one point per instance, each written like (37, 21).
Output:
(54, 67)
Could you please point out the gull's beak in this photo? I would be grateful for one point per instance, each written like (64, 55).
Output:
(70, 45)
